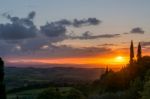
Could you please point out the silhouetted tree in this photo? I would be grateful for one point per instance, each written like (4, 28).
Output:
(105, 73)
(139, 52)
(131, 52)
(146, 92)
(107, 70)
(2, 84)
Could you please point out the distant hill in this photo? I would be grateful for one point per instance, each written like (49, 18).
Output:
(18, 77)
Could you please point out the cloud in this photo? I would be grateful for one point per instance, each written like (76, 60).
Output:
(53, 30)
(18, 28)
(63, 51)
(78, 23)
(31, 15)
(57, 30)
(63, 22)
(137, 30)
(24, 28)
(125, 33)
(145, 44)
(21, 37)
(8, 49)
(84, 22)
(34, 44)
(108, 44)
(41, 48)
(67, 51)
(87, 35)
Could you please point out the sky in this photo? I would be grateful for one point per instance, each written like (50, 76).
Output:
(72, 31)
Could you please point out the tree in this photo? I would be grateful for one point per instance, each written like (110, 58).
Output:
(139, 53)
(2, 84)
(55, 93)
(131, 52)
(107, 70)
(75, 94)
(51, 93)
(146, 91)
(108, 96)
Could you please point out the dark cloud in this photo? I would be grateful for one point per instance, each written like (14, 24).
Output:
(56, 31)
(23, 47)
(16, 31)
(125, 33)
(64, 51)
(8, 49)
(34, 44)
(106, 44)
(67, 51)
(23, 28)
(93, 21)
(87, 35)
(20, 37)
(77, 23)
(108, 35)
(18, 28)
(89, 21)
(53, 30)
(145, 44)
(41, 48)
(63, 22)
(137, 30)
(31, 15)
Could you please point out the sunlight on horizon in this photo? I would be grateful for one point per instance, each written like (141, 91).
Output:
(112, 61)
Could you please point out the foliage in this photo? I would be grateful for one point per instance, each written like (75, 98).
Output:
(129, 80)
(131, 52)
(56, 93)
(75, 94)
(2, 84)
(146, 92)
(139, 52)
(86, 89)
(50, 93)
(108, 96)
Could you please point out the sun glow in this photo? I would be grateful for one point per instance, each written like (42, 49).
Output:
(112, 61)
(120, 59)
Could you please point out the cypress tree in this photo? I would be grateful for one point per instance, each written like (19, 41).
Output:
(139, 52)
(2, 84)
(131, 52)
(107, 70)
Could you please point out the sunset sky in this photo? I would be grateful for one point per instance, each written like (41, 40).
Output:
(72, 31)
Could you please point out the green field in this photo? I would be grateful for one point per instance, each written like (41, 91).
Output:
(27, 94)
(33, 93)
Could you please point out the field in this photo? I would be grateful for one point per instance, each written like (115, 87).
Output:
(24, 77)
(33, 93)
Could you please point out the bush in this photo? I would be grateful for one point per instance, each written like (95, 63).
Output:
(51, 93)
(75, 94)
(146, 92)
(55, 93)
